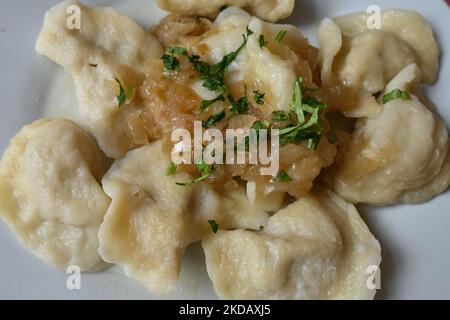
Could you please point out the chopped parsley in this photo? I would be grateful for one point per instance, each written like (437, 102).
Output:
(280, 115)
(314, 116)
(204, 169)
(205, 104)
(171, 62)
(239, 106)
(214, 225)
(297, 98)
(184, 184)
(257, 126)
(296, 136)
(396, 94)
(122, 97)
(262, 41)
(171, 169)
(280, 35)
(259, 97)
(211, 75)
(282, 177)
(304, 116)
(176, 50)
(288, 130)
(215, 118)
(125, 96)
(311, 101)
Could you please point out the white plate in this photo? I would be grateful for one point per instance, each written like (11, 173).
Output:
(415, 240)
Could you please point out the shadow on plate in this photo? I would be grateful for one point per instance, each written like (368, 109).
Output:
(391, 259)
(304, 14)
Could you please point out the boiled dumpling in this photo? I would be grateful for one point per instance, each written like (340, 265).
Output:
(148, 225)
(274, 68)
(347, 45)
(271, 10)
(409, 27)
(51, 196)
(400, 156)
(108, 46)
(224, 38)
(316, 248)
(152, 220)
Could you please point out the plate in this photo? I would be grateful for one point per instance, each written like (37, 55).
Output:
(415, 239)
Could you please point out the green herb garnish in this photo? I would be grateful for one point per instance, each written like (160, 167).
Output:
(239, 106)
(257, 126)
(296, 136)
(124, 96)
(297, 97)
(396, 94)
(171, 62)
(304, 117)
(171, 169)
(288, 130)
(176, 50)
(214, 119)
(204, 169)
(282, 177)
(280, 35)
(259, 97)
(314, 116)
(280, 115)
(214, 225)
(184, 184)
(262, 41)
(213, 75)
(206, 103)
(313, 102)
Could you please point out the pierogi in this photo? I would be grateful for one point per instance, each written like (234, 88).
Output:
(365, 60)
(51, 194)
(316, 248)
(109, 47)
(400, 156)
